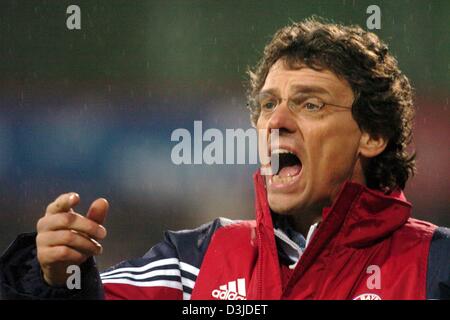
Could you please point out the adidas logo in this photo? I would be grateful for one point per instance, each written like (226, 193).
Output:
(233, 290)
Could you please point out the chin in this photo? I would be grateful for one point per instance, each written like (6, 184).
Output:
(284, 204)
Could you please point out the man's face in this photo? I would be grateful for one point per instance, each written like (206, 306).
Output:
(325, 140)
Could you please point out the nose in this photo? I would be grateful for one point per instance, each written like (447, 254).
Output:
(282, 119)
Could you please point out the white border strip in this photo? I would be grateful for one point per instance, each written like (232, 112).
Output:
(183, 266)
(155, 273)
(155, 283)
(146, 267)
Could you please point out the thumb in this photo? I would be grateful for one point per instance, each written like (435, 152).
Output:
(98, 210)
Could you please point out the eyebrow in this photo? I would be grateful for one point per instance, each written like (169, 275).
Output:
(296, 89)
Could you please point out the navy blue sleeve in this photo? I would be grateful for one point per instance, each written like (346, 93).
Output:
(438, 276)
(191, 245)
(21, 276)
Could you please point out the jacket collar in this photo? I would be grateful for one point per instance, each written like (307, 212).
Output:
(366, 215)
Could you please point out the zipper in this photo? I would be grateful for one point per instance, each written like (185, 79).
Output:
(260, 266)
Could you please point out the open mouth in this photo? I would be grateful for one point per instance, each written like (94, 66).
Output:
(289, 166)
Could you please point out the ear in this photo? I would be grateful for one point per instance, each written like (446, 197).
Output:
(370, 146)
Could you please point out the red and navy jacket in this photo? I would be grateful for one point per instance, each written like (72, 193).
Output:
(366, 246)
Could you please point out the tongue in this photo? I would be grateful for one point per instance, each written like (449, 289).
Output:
(290, 171)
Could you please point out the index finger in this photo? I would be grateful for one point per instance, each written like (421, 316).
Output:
(63, 203)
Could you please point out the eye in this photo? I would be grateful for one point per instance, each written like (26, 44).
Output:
(268, 105)
(313, 104)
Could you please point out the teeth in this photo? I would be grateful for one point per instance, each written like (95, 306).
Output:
(280, 150)
(281, 180)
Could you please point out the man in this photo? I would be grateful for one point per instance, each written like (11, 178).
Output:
(331, 223)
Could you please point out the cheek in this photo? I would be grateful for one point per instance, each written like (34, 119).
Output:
(332, 149)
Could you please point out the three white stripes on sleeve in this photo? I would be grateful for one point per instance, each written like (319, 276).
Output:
(142, 277)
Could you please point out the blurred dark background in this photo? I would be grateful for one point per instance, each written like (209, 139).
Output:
(92, 110)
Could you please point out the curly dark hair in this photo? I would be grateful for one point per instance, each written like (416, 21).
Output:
(383, 105)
